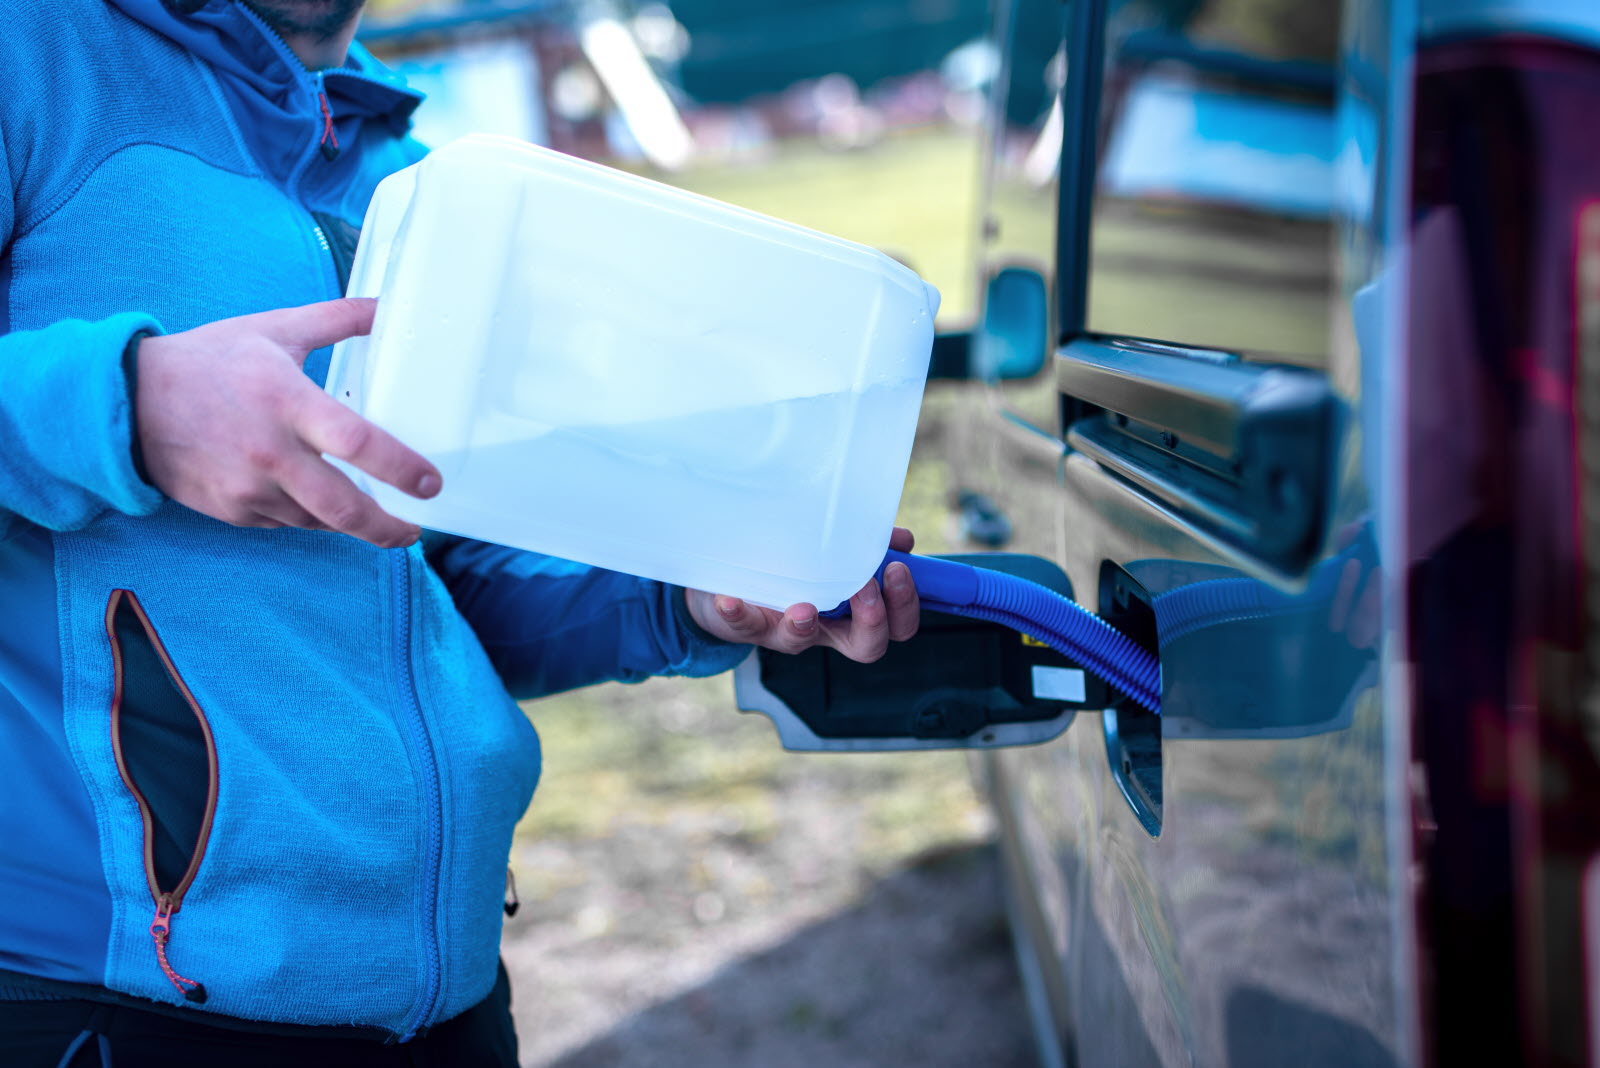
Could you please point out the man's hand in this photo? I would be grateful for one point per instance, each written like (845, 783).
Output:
(230, 426)
(876, 618)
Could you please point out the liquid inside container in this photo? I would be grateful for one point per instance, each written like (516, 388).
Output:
(618, 372)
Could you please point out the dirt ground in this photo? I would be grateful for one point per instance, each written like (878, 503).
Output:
(692, 895)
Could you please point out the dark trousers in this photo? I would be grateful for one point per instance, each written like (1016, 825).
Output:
(38, 1034)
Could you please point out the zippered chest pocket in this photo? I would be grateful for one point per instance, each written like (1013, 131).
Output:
(167, 757)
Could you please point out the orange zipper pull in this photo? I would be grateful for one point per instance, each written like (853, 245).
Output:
(161, 931)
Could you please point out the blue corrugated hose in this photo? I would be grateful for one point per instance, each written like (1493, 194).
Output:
(1216, 602)
(963, 590)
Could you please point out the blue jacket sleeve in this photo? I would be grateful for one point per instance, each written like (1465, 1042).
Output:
(550, 625)
(66, 424)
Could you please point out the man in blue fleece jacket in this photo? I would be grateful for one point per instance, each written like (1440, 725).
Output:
(262, 757)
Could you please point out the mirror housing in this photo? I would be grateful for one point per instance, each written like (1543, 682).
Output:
(1010, 341)
(1012, 338)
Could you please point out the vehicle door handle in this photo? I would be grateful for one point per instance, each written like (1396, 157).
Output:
(1243, 451)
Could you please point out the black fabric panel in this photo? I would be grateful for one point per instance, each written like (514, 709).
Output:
(163, 749)
(342, 241)
(130, 372)
(35, 1034)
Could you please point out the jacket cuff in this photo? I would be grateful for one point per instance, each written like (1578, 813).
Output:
(126, 486)
(706, 653)
(130, 374)
(71, 374)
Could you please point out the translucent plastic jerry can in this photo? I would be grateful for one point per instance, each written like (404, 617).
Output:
(618, 372)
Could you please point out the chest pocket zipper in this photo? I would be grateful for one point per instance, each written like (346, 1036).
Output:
(165, 754)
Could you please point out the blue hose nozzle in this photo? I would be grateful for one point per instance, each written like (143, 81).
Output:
(1024, 606)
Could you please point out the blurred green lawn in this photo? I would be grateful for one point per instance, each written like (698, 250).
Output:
(674, 752)
(914, 195)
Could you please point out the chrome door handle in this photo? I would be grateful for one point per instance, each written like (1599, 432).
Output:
(1244, 451)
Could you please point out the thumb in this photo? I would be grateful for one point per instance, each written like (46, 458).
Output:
(309, 327)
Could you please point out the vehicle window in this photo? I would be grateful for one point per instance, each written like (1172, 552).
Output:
(1021, 165)
(1211, 215)
(1023, 136)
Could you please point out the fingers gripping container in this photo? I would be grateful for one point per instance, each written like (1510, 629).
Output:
(618, 372)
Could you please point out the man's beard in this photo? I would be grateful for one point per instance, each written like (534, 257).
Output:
(320, 19)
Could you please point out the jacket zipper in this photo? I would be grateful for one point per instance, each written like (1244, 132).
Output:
(402, 592)
(314, 85)
(433, 858)
(327, 247)
(167, 902)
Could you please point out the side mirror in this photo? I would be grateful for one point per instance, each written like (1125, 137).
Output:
(1011, 339)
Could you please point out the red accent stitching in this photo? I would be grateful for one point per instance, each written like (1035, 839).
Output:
(328, 134)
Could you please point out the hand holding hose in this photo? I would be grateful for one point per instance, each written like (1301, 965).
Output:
(878, 615)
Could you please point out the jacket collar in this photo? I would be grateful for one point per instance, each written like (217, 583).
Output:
(278, 103)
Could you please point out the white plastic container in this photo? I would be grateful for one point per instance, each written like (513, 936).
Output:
(615, 371)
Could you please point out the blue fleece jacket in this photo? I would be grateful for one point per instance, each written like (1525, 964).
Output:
(268, 775)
